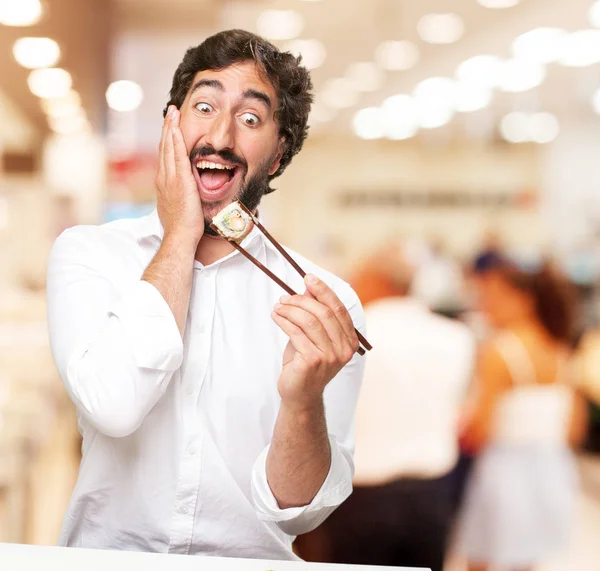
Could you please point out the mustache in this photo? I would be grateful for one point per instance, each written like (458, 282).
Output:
(225, 154)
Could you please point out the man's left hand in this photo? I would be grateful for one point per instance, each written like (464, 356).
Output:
(322, 341)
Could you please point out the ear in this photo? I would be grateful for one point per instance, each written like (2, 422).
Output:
(277, 160)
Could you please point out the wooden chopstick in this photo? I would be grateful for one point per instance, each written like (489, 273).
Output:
(269, 273)
(293, 262)
(275, 243)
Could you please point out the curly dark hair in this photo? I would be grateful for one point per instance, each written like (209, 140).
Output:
(290, 80)
(554, 297)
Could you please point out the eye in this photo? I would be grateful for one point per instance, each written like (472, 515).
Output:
(204, 108)
(250, 119)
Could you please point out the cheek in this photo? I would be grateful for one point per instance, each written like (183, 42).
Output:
(258, 148)
(190, 131)
(188, 139)
(490, 301)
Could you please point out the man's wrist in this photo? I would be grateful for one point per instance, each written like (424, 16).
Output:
(181, 241)
(306, 411)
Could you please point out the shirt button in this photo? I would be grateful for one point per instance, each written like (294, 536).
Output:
(183, 509)
(201, 329)
(191, 450)
(189, 390)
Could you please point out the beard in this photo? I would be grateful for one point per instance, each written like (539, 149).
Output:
(252, 189)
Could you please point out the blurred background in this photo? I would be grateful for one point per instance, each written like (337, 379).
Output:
(454, 127)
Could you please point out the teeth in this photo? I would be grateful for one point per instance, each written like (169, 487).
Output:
(210, 165)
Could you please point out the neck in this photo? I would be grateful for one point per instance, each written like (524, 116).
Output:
(211, 249)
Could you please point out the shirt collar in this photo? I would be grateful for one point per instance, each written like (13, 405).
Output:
(151, 226)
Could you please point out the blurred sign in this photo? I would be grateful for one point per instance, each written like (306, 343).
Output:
(437, 199)
(18, 163)
(131, 178)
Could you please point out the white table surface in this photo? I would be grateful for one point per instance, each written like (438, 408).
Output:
(14, 557)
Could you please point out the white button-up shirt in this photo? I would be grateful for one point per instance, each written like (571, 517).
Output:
(176, 432)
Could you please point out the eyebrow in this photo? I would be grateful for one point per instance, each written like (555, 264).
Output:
(248, 94)
(258, 95)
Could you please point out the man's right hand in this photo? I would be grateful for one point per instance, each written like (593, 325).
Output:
(179, 206)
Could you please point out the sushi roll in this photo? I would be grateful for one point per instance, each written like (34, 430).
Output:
(233, 222)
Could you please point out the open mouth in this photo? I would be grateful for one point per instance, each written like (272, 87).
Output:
(215, 178)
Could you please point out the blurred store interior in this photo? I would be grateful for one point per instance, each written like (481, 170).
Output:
(443, 124)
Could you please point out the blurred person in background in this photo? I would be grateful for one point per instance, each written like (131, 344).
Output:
(519, 502)
(400, 511)
(200, 392)
(438, 281)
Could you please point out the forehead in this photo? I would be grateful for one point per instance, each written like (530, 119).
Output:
(238, 78)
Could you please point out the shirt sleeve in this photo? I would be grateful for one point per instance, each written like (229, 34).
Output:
(115, 350)
(340, 398)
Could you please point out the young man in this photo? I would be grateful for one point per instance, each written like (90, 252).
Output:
(216, 417)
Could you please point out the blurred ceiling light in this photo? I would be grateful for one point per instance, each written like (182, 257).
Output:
(537, 127)
(20, 12)
(498, 3)
(398, 105)
(399, 115)
(441, 28)
(124, 95)
(397, 56)
(594, 14)
(580, 49)
(313, 52)
(433, 118)
(34, 53)
(49, 82)
(280, 24)
(519, 75)
(471, 97)
(483, 70)
(69, 125)
(514, 127)
(70, 100)
(368, 123)
(339, 93)
(596, 102)
(543, 128)
(435, 92)
(365, 76)
(542, 45)
(401, 131)
(58, 109)
(435, 101)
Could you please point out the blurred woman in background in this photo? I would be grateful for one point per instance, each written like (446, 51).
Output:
(526, 417)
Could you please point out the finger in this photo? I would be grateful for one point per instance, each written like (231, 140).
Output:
(299, 340)
(183, 166)
(160, 175)
(169, 153)
(327, 318)
(309, 324)
(327, 297)
(163, 132)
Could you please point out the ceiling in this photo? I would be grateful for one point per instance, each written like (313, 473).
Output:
(351, 32)
(143, 40)
(82, 29)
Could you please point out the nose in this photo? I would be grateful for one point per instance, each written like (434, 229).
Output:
(220, 135)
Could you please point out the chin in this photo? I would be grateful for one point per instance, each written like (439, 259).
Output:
(211, 209)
